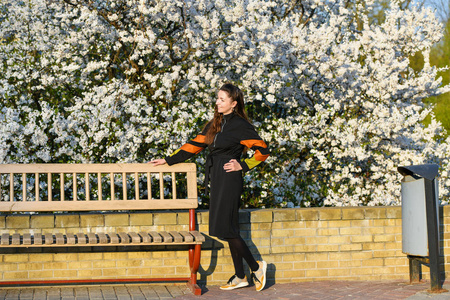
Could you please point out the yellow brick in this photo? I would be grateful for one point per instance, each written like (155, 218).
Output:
(256, 234)
(294, 274)
(305, 232)
(307, 214)
(361, 223)
(2, 222)
(373, 246)
(339, 224)
(289, 225)
(65, 274)
(330, 213)
(375, 212)
(317, 273)
(396, 262)
(175, 262)
(40, 274)
(294, 241)
(12, 267)
(361, 271)
(268, 226)
(339, 240)
(352, 247)
(340, 256)
(282, 232)
(114, 220)
(361, 238)
(391, 230)
(380, 223)
(128, 263)
(165, 218)
(204, 217)
(350, 231)
(183, 218)
(182, 270)
(385, 253)
(328, 248)
(139, 271)
(302, 265)
(261, 216)
(362, 255)
(373, 230)
(353, 213)
(42, 221)
(17, 222)
(65, 256)
(296, 257)
(283, 215)
(55, 265)
(89, 273)
(373, 262)
(305, 248)
(165, 271)
(90, 256)
(282, 249)
(142, 255)
(88, 220)
(384, 270)
(15, 275)
(394, 212)
(350, 263)
(79, 265)
(115, 272)
(120, 255)
(315, 240)
(328, 231)
(65, 221)
(16, 258)
(316, 257)
(104, 264)
(338, 272)
(327, 264)
(164, 254)
(384, 238)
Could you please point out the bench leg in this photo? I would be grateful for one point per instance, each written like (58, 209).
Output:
(194, 263)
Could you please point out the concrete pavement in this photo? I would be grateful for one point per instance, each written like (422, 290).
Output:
(323, 290)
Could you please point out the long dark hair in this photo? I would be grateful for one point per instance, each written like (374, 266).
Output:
(235, 94)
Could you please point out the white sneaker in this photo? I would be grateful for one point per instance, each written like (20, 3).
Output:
(259, 277)
(234, 283)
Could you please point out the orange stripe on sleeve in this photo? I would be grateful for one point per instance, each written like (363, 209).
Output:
(252, 143)
(259, 156)
(191, 148)
(200, 139)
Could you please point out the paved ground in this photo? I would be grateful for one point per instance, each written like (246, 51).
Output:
(304, 290)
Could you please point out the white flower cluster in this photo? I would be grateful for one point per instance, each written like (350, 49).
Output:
(329, 90)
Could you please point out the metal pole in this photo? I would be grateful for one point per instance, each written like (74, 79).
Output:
(433, 235)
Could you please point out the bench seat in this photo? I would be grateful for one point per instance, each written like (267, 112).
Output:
(101, 239)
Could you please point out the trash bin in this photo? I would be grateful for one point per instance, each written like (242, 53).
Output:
(414, 216)
(420, 220)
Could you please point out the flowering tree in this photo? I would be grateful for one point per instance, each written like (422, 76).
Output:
(124, 81)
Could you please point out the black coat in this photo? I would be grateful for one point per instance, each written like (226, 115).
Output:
(226, 187)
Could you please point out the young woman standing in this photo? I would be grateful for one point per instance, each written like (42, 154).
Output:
(227, 136)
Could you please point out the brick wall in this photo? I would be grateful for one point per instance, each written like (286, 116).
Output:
(361, 243)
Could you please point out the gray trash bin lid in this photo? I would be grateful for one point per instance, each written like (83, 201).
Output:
(427, 171)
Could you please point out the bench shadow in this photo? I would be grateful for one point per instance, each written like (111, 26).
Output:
(214, 246)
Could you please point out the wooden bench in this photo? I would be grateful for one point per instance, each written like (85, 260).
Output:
(102, 187)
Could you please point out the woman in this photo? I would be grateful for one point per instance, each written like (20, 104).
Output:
(227, 136)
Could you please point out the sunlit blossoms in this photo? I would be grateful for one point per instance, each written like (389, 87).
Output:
(329, 89)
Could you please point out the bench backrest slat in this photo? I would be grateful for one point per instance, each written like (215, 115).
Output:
(96, 187)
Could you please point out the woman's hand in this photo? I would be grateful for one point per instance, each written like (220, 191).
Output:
(232, 166)
(157, 162)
